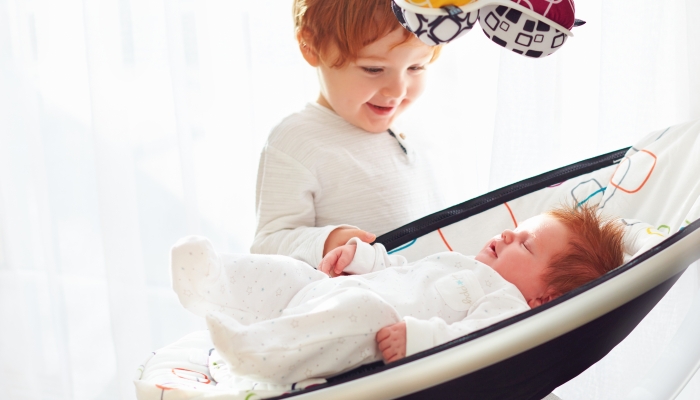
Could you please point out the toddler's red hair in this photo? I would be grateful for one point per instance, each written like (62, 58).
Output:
(348, 25)
(595, 248)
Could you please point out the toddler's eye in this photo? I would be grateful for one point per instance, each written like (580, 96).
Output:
(417, 67)
(372, 70)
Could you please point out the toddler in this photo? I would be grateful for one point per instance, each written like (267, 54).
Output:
(274, 318)
(340, 164)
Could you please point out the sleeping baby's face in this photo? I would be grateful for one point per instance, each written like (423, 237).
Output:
(521, 256)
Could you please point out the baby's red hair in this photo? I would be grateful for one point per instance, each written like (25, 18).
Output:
(345, 26)
(595, 247)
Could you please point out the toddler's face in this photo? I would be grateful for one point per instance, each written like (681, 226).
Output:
(521, 256)
(373, 90)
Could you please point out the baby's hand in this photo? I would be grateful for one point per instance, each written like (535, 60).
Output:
(340, 236)
(337, 259)
(391, 341)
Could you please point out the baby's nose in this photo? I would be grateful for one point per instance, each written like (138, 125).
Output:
(507, 236)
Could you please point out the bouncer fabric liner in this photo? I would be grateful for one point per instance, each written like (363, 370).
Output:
(529, 355)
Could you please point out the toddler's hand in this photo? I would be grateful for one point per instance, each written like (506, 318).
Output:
(337, 259)
(340, 236)
(391, 341)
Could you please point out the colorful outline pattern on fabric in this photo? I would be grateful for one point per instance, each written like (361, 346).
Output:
(190, 375)
(601, 190)
(664, 228)
(405, 246)
(579, 203)
(628, 168)
(444, 240)
(556, 184)
(657, 233)
(515, 222)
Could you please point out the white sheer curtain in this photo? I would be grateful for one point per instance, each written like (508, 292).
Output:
(125, 125)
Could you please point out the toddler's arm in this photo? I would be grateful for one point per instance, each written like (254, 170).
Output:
(342, 235)
(286, 212)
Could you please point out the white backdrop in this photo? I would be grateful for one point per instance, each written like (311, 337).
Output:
(125, 125)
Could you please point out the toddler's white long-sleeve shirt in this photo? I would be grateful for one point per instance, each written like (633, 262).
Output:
(318, 172)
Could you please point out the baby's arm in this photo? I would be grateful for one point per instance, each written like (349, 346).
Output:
(492, 308)
(358, 257)
(391, 341)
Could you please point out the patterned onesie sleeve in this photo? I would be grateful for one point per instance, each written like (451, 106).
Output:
(492, 308)
(371, 258)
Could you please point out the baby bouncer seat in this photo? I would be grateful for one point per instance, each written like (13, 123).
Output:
(531, 354)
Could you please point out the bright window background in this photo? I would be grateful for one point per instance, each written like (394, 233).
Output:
(125, 125)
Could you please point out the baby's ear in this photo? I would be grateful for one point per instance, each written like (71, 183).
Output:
(544, 299)
(534, 302)
(308, 52)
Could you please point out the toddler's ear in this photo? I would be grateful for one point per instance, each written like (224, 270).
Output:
(308, 52)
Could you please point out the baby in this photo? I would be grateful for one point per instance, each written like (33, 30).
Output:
(274, 318)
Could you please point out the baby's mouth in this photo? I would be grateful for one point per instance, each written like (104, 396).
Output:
(492, 246)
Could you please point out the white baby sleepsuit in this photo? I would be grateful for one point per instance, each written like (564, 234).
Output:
(274, 318)
(318, 172)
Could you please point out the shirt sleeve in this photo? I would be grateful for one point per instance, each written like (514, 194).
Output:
(490, 309)
(371, 258)
(285, 209)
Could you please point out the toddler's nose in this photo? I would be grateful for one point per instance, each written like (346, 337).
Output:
(395, 88)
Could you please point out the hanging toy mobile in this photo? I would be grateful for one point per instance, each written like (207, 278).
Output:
(533, 28)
